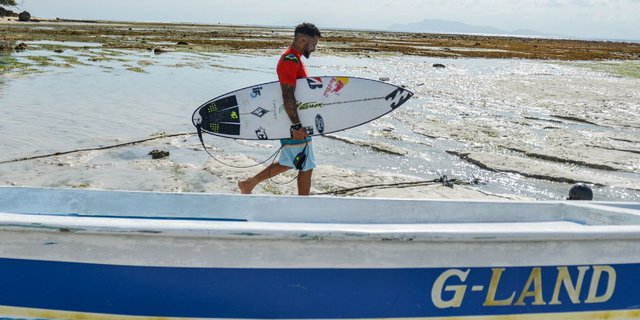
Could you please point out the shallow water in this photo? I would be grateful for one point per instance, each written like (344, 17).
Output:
(110, 96)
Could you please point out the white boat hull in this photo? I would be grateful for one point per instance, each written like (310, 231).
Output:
(78, 254)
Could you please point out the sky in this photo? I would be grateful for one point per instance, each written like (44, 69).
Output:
(599, 19)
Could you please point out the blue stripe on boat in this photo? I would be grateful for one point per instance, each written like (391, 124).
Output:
(298, 293)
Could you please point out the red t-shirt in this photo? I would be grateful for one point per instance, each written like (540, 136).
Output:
(290, 67)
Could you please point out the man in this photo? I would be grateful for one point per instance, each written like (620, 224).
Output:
(290, 68)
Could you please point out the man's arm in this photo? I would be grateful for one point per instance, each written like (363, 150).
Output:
(290, 106)
(289, 99)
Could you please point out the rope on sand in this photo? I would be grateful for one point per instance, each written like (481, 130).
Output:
(161, 136)
(444, 180)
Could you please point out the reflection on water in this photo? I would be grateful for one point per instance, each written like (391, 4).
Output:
(88, 96)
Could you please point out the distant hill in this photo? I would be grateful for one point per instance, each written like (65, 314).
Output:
(444, 26)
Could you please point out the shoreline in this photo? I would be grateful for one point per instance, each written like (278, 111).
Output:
(192, 37)
(195, 24)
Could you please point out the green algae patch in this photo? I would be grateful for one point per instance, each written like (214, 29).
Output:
(100, 59)
(134, 69)
(41, 61)
(105, 58)
(625, 69)
(115, 53)
(73, 61)
(55, 47)
(220, 66)
(194, 65)
(629, 69)
(145, 63)
(11, 64)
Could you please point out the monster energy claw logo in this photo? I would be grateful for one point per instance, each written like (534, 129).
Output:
(319, 124)
(261, 133)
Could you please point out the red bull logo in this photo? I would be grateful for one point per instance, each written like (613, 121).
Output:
(336, 85)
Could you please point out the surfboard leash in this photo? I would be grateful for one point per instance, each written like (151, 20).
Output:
(271, 157)
(199, 129)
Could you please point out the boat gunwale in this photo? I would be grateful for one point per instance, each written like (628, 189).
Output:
(459, 232)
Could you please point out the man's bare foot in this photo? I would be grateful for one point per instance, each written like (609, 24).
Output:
(245, 187)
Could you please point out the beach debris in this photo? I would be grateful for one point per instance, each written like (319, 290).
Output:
(158, 154)
(580, 191)
(159, 50)
(21, 47)
(383, 78)
(445, 181)
(24, 16)
(182, 43)
(439, 65)
(128, 143)
(442, 180)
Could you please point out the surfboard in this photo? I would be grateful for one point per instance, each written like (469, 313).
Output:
(325, 105)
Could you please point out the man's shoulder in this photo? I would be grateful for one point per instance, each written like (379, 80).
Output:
(289, 66)
(290, 57)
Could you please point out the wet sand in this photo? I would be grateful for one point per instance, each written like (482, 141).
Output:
(130, 167)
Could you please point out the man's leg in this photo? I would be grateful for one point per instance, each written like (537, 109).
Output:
(304, 182)
(273, 170)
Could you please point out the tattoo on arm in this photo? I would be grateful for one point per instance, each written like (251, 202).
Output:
(289, 100)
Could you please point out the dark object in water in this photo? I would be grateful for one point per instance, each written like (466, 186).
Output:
(439, 65)
(580, 191)
(24, 16)
(159, 50)
(158, 154)
(21, 47)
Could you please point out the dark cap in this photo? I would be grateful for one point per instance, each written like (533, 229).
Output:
(580, 191)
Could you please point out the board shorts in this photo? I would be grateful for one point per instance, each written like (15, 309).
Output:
(291, 148)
